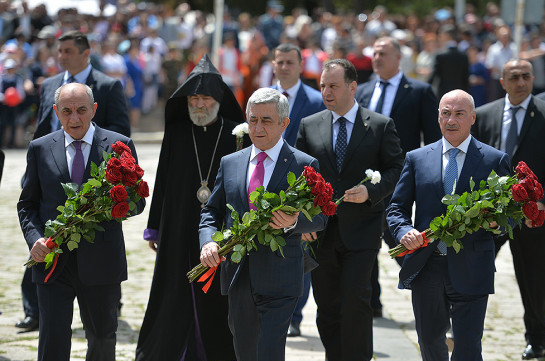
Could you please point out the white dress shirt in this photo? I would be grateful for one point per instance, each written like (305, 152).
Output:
(391, 91)
(292, 92)
(460, 157)
(87, 140)
(268, 163)
(350, 116)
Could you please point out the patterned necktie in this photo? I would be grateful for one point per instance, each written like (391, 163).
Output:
(256, 180)
(72, 79)
(512, 135)
(78, 166)
(380, 102)
(340, 146)
(451, 175)
(286, 94)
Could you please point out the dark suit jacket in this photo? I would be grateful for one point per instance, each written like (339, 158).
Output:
(308, 102)
(487, 128)
(451, 69)
(472, 269)
(112, 111)
(414, 111)
(101, 263)
(374, 144)
(270, 273)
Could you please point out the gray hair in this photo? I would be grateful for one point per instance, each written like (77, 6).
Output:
(270, 96)
(87, 89)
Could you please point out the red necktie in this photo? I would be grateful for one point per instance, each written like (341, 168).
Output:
(256, 180)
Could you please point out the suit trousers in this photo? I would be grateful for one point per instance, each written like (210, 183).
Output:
(435, 302)
(342, 291)
(259, 323)
(29, 295)
(527, 248)
(98, 312)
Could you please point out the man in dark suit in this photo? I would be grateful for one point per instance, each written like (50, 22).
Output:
(112, 114)
(444, 283)
(413, 107)
(451, 66)
(74, 51)
(303, 100)
(93, 273)
(523, 142)
(264, 287)
(347, 139)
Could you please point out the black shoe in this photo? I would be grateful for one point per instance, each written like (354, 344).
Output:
(531, 352)
(294, 330)
(377, 312)
(29, 324)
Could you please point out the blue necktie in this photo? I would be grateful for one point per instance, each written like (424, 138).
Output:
(512, 136)
(451, 175)
(340, 146)
(78, 163)
(380, 102)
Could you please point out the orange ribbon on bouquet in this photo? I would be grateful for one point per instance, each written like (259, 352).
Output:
(425, 244)
(210, 273)
(50, 244)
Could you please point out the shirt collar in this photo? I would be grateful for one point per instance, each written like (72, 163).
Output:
(350, 115)
(523, 104)
(80, 77)
(394, 81)
(463, 146)
(272, 153)
(87, 138)
(292, 92)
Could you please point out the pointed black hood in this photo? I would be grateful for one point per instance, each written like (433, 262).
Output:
(204, 79)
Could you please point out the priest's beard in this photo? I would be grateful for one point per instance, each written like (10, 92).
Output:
(203, 116)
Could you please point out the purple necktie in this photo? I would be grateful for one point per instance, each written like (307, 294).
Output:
(78, 166)
(256, 180)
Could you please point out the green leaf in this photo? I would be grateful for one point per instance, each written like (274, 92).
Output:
(291, 179)
(132, 206)
(49, 259)
(288, 209)
(76, 237)
(94, 170)
(217, 236)
(60, 208)
(72, 245)
(70, 189)
(265, 204)
(236, 257)
(471, 184)
(273, 245)
(307, 215)
(456, 246)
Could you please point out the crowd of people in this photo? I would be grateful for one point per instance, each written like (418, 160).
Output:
(345, 93)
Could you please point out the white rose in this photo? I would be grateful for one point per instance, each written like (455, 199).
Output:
(240, 130)
(376, 177)
(369, 173)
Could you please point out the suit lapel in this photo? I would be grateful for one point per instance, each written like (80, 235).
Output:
(358, 133)
(95, 155)
(472, 161)
(325, 129)
(434, 158)
(58, 152)
(497, 124)
(529, 119)
(91, 82)
(242, 173)
(285, 157)
(300, 103)
(403, 90)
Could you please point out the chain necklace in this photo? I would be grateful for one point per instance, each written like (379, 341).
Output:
(203, 193)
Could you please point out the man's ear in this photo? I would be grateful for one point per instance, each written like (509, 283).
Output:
(56, 110)
(285, 123)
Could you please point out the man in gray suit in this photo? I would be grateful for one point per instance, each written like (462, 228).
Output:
(264, 287)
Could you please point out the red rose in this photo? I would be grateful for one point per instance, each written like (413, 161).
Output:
(128, 164)
(129, 179)
(118, 193)
(318, 188)
(538, 191)
(120, 148)
(538, 222)
(310, 176)
(530, 210)
(523, 171)
(328, 191)
(142, 189)
(120, 210)
(329, 209)
(321, 200)
(114, 163)
(114, 175)
(533, 188)
(139, 171)
(519, 193)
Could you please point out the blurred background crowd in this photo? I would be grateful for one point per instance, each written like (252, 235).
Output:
(151, 48)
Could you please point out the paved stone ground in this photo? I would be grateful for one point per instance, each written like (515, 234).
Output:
(395, 337)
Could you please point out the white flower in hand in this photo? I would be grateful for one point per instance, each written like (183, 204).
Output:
(240, 130)
(369, 173)
(375, 178)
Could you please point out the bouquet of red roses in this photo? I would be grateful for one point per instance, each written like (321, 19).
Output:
(498, 199)
(112, 191)
(309, 194)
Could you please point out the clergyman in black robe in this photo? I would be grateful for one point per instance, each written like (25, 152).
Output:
(181, 321)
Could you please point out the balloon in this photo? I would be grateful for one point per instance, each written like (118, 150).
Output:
(12, 97)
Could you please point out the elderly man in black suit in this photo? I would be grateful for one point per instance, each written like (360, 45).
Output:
(516, 124)
(413, 107)
(112, 114)
(52, 160)
(347, 139)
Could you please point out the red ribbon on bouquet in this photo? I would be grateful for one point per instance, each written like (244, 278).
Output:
(50, 244)
(210, 273)
(425, 244)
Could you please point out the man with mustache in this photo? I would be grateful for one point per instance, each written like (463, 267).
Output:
(180, 319)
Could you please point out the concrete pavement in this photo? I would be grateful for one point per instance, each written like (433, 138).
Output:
(394, 335)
